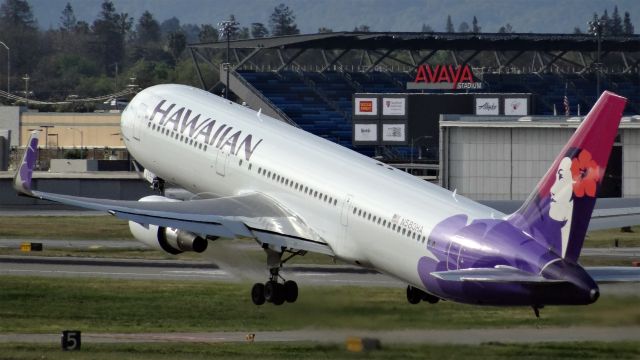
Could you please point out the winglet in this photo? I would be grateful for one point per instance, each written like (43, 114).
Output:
(22, 179)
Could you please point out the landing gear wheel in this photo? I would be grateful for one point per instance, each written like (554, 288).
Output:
(274, 292)
(290, 291)
(257, 294)
(414, 295)
(430, 298)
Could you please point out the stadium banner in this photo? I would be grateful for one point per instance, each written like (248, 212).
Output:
(365, 134)
(394, 133)
(516, 106)
(444, 77)
(394, 107)
(365, 106)
(487, 106)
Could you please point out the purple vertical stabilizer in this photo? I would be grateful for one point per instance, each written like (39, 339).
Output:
(558, 211)
(22, 179)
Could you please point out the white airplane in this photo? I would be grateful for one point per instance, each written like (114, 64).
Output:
(293, 192)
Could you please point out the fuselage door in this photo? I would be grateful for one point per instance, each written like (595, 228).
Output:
(141, 119)
(346, 209)
(221, 162)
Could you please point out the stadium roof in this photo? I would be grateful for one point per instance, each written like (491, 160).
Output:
(442, 41)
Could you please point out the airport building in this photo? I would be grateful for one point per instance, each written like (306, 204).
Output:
(503, 158)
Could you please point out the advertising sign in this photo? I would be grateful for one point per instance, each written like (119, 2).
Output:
(366, 106)
(516, 106)
(487, 106)
(444, 77)
(365, 133)
(394, 106)
(394, 132)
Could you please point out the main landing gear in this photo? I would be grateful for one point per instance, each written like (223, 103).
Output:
(415, 295)
(273, 291)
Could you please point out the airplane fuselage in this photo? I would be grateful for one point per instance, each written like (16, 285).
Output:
(369, 213)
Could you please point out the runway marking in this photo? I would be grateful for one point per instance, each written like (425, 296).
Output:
(161, 274)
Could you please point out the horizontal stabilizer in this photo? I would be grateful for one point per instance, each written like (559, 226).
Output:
(614, 274)
(501, 274)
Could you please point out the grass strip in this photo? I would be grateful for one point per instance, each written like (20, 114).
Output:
(49, 305)
(283, 351)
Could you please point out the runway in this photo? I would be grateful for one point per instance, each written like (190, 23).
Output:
(459, 336)
(184, 270)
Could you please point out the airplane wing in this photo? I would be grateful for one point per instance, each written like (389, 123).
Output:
(614, 274)
(499, 274)
(251, 215)
(609, 213)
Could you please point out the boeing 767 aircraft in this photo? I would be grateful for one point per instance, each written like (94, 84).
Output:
(293, 193)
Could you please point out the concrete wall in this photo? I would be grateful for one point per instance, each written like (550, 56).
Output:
(10, 120)
(114, 186)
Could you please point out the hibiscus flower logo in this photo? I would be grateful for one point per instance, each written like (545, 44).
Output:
(586, 174)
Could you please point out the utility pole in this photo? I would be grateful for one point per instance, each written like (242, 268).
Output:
(225, 28)
(8, 67)
(597, 28)
(26, 87)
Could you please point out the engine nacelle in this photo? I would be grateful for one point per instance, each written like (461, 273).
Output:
(173, 241)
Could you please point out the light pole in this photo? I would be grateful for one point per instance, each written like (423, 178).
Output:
(26, 87)
(46, 134)
(8, 67)
(81, 140)
(226, 27)
(596, 28)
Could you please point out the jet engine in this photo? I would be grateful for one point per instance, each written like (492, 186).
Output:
(173, 241)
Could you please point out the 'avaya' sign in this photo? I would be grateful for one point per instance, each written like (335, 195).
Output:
(444, 77)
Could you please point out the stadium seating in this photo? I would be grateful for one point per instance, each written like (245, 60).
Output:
(321, 103)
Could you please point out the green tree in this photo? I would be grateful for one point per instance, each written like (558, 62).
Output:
(68, 19)
(169, 26)
(177, 42)
(463, 27)
(449, 27)
(282, 21)
(627, 26)
(109, 39)
(208, 34)
(17, 13)
(606, 30)
(258, 30)
(244, 33)
(577, 30)
(616, 22)
(147, 29)
(426, 28)
(362, 28)
(506, 29)
(475, 28)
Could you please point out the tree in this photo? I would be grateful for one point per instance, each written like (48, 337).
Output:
(17, 13)
(68, 19)
(463, 27)
(234, 29)
(176, 44)
(258, 30)
(125, 23)
(169, 26)
(362, 28)
(507, 29)
(208, 34)
(606, 29)
(147, 29)
(426, 28)
(627, 26)
(244, 33)
(324, 30)
(577, 30)
(616, 22)
(109, 44)
(282, 21)
(449, 27)
(474, 27)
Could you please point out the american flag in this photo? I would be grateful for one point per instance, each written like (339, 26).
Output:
(565, 102)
